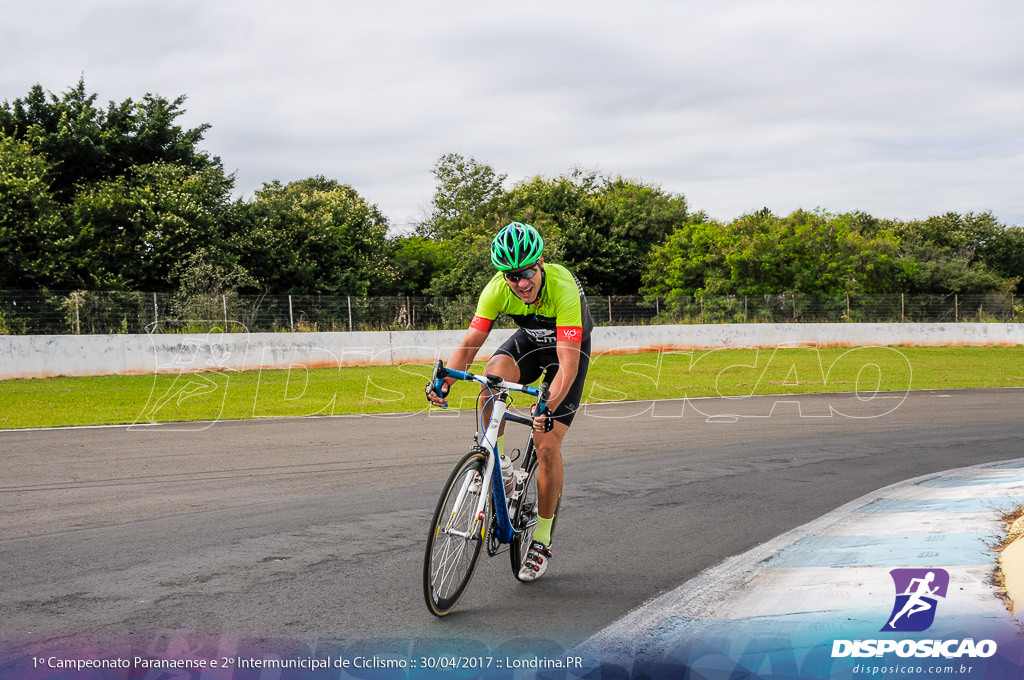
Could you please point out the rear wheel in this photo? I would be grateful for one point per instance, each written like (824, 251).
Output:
(525, 519)
(456, 535)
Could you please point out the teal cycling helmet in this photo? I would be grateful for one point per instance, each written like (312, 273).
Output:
(516, 246)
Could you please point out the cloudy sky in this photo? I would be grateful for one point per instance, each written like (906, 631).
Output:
(900, 108)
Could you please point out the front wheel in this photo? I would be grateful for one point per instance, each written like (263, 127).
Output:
(456, 535)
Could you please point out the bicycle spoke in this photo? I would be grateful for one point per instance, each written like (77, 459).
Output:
(453, 549)
(447, 565)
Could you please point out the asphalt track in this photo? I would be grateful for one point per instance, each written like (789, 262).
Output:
(308, 533)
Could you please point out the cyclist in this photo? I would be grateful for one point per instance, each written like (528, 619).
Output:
(548, 304)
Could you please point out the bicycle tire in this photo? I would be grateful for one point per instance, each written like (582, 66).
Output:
(526, 517)
(450, 560)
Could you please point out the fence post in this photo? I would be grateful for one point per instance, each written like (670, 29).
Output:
(848, 318)
(156, 313)
(956, 307)
(224, 302)
(349, 313)
(794, 306)
(291, 315)
(903, 307)
(78, 319)
(609, 310)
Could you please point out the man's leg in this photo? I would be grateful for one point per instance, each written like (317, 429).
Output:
(549, 478)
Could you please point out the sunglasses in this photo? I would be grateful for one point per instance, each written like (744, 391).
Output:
(515, 277)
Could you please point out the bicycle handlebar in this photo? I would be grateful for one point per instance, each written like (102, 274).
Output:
(490, 381)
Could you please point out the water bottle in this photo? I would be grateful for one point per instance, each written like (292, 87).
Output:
(506, 475)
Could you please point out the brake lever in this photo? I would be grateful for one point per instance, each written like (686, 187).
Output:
(440, 373)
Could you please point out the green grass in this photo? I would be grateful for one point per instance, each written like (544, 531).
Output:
(54, 402)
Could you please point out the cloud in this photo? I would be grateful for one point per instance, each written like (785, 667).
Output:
(900, 109)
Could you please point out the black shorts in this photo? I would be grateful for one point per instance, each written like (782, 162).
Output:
(533, 361)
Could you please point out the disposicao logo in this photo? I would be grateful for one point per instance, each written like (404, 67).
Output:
(917, 596)
(918, 592)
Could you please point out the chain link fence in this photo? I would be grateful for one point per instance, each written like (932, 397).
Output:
(106, 312)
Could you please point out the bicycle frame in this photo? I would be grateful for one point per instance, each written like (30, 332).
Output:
(499, 389)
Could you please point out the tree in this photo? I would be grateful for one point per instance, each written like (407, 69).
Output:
(465, 192)
(761, 254)
(85, 144)
(1004, 254)
(954, 253)
(209, 289)
(31, 228)
(469, 267)
(602, 228)
(132, 232)
(315, 236)
(463, 219)
(690, 262)
(128, 193)
(417, 260)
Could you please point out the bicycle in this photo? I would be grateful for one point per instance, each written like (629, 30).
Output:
(472, 513)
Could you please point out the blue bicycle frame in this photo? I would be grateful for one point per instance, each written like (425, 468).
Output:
(504, 531)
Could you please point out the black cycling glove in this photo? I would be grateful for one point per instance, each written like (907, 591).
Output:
(445, 388)
(549, 420)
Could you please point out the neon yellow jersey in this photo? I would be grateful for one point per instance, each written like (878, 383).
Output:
(560, 313)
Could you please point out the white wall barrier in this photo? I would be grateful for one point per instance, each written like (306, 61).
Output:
(39, 356)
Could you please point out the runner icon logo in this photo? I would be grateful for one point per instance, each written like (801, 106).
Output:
(917, 593)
